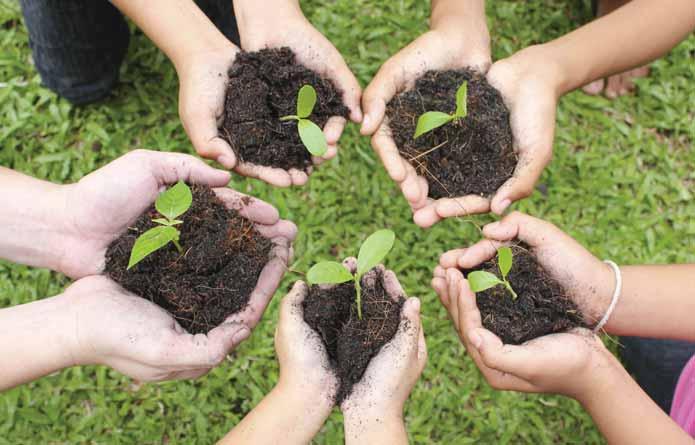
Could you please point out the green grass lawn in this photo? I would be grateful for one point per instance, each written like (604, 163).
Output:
(621, 182)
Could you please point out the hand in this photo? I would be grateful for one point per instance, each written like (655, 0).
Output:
(588, 281)
(304, 363)
(281, 23)
(566, 363)
(435, 50)
(139, 339)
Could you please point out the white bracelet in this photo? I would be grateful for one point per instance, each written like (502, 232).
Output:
(616, 295)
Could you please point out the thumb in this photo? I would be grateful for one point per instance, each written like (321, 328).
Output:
(201, 351)
(202, 131)
(522, 183)
(383, 87)
(510, 359)
(533, 231)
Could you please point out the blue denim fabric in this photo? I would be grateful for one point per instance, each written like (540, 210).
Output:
(78, 45)
(656, 365)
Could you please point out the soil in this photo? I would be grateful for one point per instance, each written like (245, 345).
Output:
(470, 156)
(351, 343)
(223, 255)
(262, 88)
(542, 307)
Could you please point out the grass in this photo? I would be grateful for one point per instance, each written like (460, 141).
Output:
(621, 182)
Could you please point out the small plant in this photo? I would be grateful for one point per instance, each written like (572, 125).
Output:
(373, 250)
(311, 134)
(481, 280)
(171, 204)
(435, 119)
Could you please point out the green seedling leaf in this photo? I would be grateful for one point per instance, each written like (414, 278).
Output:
(175, 201)
(431, 120)
(504, 260)
(312, 137)
(328, 272)
(166, 222)
(150, 241)
(374, 250)
(481, 280)
(306, 100)
(462, 101)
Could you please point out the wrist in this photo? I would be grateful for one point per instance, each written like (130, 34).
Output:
(537, 64)
(361, 425)
(464, 31)
(600, 379)
(251, 17)
(315, 404)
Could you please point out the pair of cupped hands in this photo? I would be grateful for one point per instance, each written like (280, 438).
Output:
(525, 89)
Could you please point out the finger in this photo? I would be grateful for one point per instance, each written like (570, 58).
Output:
(291, 311)
(421, 350)
(515, 360)
(427, 216)
(533, 231)
(594, 88)
(383, 87)
(440, 287)
(468, 312)
(273, 176)
(352, 92)
(169, 168)
(411, 188)
(439, 272)
(386, 149)
(331, 153)
(282, 230)
(462, 206)
(333, 129)
(454, 278)
(526, 174)
(405, 342)
(392, 286)
(201, 128)
(190, 375)
(298, 177)
(350, 263)
(450, 259)
(370, 277)
(478, 253)
(254, 209)
(205, 351)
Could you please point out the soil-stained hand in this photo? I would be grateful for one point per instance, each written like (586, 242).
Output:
(434, 50)
(139, 339)
(304, 363)
(282, 24)
(588, 281)
(559, 363)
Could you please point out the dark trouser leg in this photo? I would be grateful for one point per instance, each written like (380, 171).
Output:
(656, 365)
(78, 45)
(221, 13)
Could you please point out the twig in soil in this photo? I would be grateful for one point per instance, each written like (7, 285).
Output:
(428, 151)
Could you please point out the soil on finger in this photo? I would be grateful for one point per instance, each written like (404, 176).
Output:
(351, 343)
(470, 156)
(223, 256)
(542, 306)
(262, 88)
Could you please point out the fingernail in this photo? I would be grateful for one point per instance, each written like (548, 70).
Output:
(416, 303)
(241, 335)
(226, 161)
(475, 339)
(493, 226)
(503, 206)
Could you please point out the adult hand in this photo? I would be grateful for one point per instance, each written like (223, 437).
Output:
(281, 23)
(139, 339)
(559, 363)
(588, 281)
(442, 48)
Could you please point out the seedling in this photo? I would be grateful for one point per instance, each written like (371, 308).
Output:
(435, 119)
(171, 204)
(311, 134)
(481, 280)
(372, 252)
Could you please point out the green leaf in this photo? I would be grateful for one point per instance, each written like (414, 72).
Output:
(374, 249)
(328, 272)
(431, 120)
(480, 280)
(175, 201)
(150, 241)
(166, 222)
(312, 137)
(504, 260)
(306, 99)
(462, 100)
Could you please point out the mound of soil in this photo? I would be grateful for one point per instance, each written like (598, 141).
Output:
(471, 156)
(351, 342)
(262, 88)
(223, 255)
(542, 307)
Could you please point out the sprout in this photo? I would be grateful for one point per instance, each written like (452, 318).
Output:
(481, 280)
(311, 134)
(435, 119)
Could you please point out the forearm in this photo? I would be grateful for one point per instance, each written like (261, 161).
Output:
(624, 413)
(31, 220)
(464, 21)
(631, 36)
(378, 427)
(656, 301)
(286, 415)
(36, 339)
(178, 27)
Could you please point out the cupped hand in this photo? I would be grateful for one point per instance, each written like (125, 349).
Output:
(559, 363)
(588, 281)
(304, 362)
(282, 24)
(139, 339)
(434, 50)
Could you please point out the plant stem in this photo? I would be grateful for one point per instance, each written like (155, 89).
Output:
(289, 118)
(178, 246)
(508, 285)
(358, 290)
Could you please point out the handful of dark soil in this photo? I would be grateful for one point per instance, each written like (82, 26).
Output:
(262, 88)
(223, 256)
(351, 343)
(471, 156)
(542, 307)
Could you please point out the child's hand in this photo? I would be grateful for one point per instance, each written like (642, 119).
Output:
(559, 363)
(589, 282)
